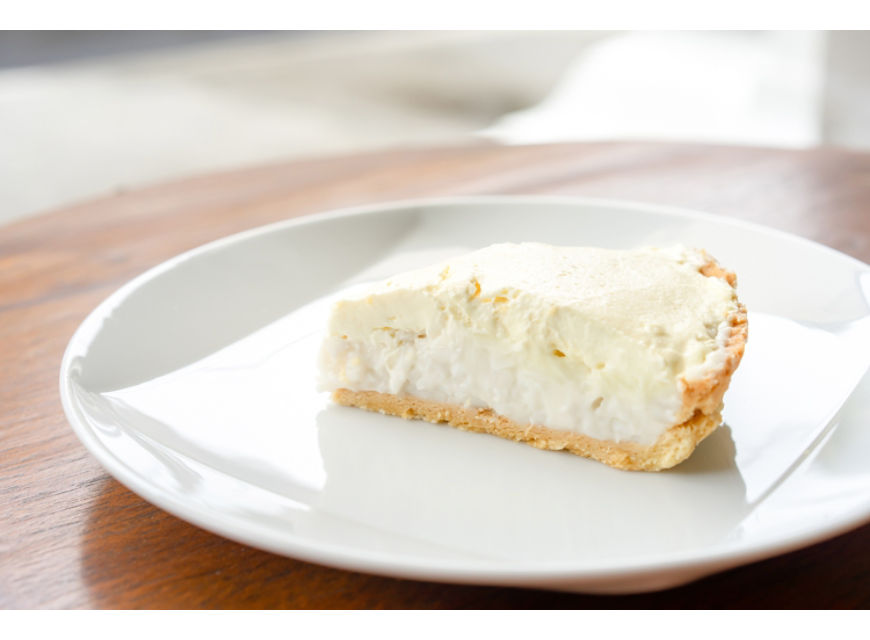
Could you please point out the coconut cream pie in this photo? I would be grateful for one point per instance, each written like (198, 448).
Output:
(620, 356)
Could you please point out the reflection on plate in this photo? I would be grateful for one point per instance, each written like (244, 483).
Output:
(194, 385)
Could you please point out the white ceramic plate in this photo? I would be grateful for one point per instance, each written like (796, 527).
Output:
(194, 385)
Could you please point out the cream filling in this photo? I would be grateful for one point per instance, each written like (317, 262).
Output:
(458, 368)
(584, 340)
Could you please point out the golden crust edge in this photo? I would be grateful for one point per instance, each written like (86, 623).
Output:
(673, 446)
(705, 394)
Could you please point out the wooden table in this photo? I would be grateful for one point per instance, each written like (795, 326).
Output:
(71, 536)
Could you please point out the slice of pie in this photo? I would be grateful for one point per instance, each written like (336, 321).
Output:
(620, 356)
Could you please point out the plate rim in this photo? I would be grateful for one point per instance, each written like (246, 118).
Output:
(417, 567)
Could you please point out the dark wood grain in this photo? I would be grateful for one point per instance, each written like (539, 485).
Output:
(70, 536)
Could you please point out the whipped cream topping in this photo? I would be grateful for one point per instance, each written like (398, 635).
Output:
(595, 341)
